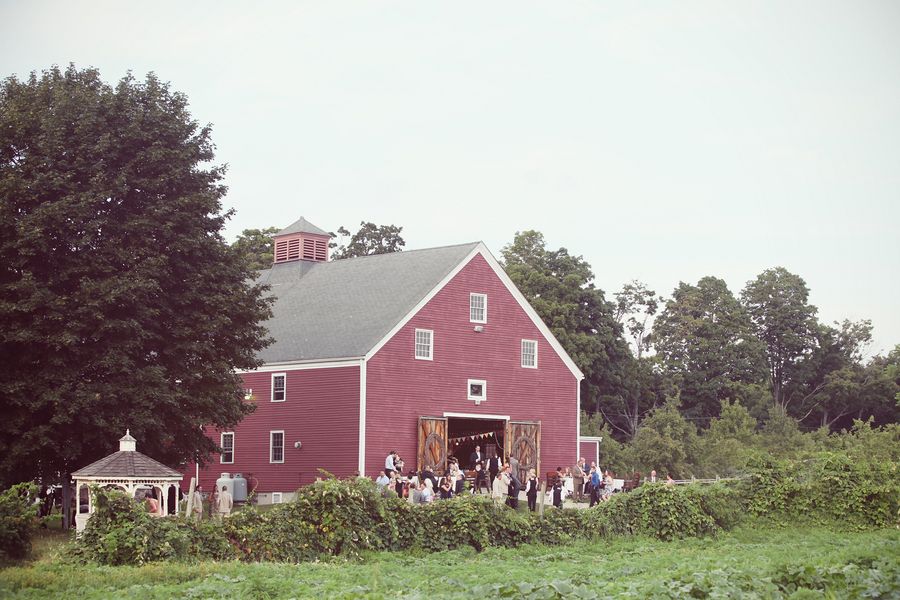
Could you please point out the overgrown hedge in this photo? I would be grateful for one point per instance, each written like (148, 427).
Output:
(17, 520)
(832, 487)
(349, 517)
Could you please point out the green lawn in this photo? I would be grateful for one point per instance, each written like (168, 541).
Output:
(754, 561)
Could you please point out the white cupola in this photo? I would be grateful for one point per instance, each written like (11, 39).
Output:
(127, 443)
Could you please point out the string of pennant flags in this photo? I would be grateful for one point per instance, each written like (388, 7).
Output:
(477, 436)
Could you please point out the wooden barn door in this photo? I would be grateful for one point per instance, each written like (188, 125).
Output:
(432, 443)
(523, 442)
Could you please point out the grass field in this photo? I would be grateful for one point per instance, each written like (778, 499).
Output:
(755, 561)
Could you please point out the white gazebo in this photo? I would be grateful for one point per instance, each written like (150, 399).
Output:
(128, 470)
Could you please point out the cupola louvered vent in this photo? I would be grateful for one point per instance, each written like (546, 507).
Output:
(301, 241)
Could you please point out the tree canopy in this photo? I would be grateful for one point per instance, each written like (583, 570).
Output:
(560, 288)
(121, 306)
(778, 304)
(705, 342)
(369, 239)
(256, 247)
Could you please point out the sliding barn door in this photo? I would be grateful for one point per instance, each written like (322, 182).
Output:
(432, 443)
(523, 442)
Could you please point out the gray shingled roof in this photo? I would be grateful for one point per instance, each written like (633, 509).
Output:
(301, 225)
(343, 308)
(127, 463)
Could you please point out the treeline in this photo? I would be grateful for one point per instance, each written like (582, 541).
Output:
(704, 358)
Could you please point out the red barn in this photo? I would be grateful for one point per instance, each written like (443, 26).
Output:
(426, 352)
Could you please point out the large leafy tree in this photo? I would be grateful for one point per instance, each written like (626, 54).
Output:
(830, 380)
(560, 288)
(121, 306)
(705, 341)
(644, 385)
(369, 239)
(256, 247)
(778, 304)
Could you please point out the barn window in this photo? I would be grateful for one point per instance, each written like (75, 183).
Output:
(478, 308)
(477, 390)
(227, 443)
(276, 446)
(279, 387)
(529, 354)
(424, 344)
(276, 498)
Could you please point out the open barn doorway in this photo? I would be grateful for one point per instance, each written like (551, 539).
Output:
(465, 433)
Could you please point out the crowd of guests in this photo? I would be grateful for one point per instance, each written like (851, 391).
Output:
(582, 482)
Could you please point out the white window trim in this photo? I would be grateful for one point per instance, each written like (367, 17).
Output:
(479, 399)
(272, 394)
(222, 444)
(430, 333)
(277, 498)
(472, 295)
(272, 446)
(535, 365)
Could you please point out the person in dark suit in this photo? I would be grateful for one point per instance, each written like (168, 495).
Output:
(494, 465)
(557, 492)
(514, 486)
(475, 458)
(428, 473)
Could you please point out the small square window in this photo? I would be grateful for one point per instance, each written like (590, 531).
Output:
(276, 446)
(424, 344)
(477, 390)
(279, 387)
(529, 354)
(276, 498)
(478, 308)
(227, 443)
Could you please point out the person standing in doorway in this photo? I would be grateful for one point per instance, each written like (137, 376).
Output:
(479, 479)
(476, 458)
(494, 465)
(224, 504)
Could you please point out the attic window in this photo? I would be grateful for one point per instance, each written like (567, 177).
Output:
(478, 308)
(424, 344)
(529, 354)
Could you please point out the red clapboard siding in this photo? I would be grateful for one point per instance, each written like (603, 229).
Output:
(321, 410)
(400, 388)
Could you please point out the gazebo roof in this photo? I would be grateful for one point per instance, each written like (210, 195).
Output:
(127, 463)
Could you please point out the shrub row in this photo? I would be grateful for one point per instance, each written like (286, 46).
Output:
(349, 517)
(833, 487)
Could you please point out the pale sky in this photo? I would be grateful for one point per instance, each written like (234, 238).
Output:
(663, 141)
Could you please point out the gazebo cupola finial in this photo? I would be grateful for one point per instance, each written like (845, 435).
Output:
(127, 443)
